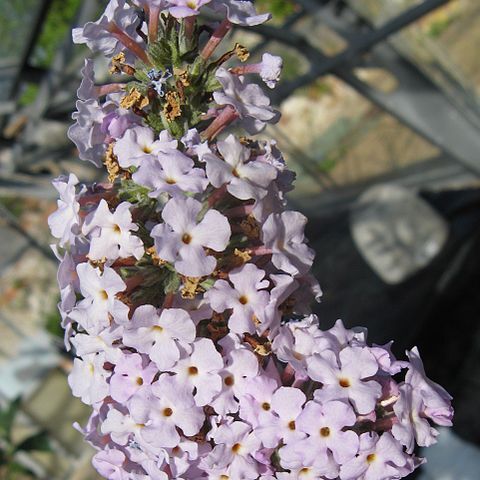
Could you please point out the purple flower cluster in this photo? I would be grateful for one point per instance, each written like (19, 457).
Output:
(184, 280)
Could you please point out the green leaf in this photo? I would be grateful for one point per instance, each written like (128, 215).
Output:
(155, 121)
(7, 417)
(172, 283)
(38, 442)
(132, 192)
(160, 54)
(14, 469)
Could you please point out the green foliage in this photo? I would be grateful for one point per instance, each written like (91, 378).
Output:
(132, 192)
(55, 29)
(53, 323)
(172, 282)
(439, 26)
(15, 24)
(14, 205)
(7, 416)
(292, 64)
(10, 468)
(28, 95)
(280, 9)
(38, 443)
(160, 54)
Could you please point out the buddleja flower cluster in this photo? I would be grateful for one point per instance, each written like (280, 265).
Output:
(185, 281)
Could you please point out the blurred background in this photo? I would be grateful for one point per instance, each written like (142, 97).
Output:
(381, 122)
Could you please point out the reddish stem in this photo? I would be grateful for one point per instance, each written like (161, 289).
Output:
(241, 211)
(217, 195)
(217, 36)
(261, 251)
(125, 262)
(225, 118)
(102, 90)
(244, 69)
(168, 302)
(96, 197)
(128, 42)
(288, 375)
(153, 18)
(190, 26)
(133, 282)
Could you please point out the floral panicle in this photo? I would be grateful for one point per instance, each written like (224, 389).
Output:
(184, 280)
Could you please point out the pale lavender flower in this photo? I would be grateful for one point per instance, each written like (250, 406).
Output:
(412, 426)
(309, 469)
(279, 423)
(110, 464)
(302, 458)
(140, 142)
(256, 398)
(244, 179)
(97, 35)
(284, 286)
(86, 90)
(91, 431)
(64, 223)
(200, 370)
(249, 101)
(386, 360)
(246, 298)
(185, 8)
(65, 306)
(88, 378)
(378, 458)
(121, 427)
(182, 457)
(273, 156)
(162, 408)
(325, 426)
(172, 173)
(271, 68)
(103, 342)
(118, 120)
(160, 336)
(437, 400)
(239, 12)
(236, 446)
(346, 378)
(182, 238)
(111, 233)
(283, 234)
(87, 132)
(130, 374)
(99, 290)
(67, 269)
(296, 342)
(240, 365)
(194, 144)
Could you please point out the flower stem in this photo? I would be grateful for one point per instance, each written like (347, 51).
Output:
(102, 90)
(128, 42)
(225, 118)
(153, 19)
(217, 36)
(189, 27)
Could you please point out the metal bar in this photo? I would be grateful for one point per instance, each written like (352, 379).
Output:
(37, 26)
(419, 104)
(15, 225)
(63, 56)
(364, 43)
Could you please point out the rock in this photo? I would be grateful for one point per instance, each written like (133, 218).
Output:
(396, 232)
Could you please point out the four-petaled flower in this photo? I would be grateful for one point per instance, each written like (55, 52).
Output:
(182, 239)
